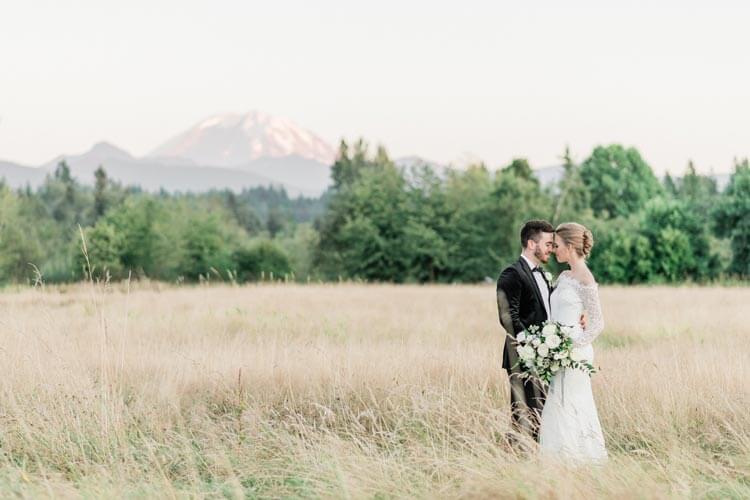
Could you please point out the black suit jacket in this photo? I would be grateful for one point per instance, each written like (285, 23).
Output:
(519, 305)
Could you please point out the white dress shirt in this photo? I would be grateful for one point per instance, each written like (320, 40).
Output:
(541, 284)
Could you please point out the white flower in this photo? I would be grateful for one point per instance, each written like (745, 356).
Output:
(549, 329)
(548, 276)
(521, 337)
(543, 350)
(525, 352)
(565, 362)
(536, 342)
(567, 330)
(576, 354)
(553, 341)
(555, 366)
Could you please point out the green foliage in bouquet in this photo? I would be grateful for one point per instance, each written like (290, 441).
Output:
(545, 350)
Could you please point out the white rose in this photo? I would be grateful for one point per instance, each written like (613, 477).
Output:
(565, 362)
(555, 366)
(526, 352)
(576, 354)
(549, 329)
(536, 342)
(543, 350)
(548, 276)
(553, 341)
(521, 337)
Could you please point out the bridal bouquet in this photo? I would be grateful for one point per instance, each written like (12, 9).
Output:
(544, 350)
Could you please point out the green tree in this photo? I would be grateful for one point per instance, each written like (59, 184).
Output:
(299, 246)
(243, 213)
(19, 244)
(425, 232)
(100, 192)
(204, 250)
(124, 241)
(262, 260)
(103, 248)
(275, 223)
(620, 253)
(350, 165)
(618, 180)
(732, 216)
(670, 186)
(362, 233)
(572, 199)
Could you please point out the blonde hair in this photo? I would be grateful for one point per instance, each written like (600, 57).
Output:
(577, 236)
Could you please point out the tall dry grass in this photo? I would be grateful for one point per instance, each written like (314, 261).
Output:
(353, 391)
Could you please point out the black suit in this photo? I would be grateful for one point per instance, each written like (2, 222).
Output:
(520, 305)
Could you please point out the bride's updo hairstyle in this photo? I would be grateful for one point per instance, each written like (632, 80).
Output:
(577, 236)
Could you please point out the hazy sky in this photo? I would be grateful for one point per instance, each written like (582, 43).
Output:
(497, 79)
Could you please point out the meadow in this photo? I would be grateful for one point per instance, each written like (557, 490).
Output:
(353, 391)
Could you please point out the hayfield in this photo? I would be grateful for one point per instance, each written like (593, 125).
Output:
(354, 391)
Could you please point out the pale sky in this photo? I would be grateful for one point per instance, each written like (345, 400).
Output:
(494, 78)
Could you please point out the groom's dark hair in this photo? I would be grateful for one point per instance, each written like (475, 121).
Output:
(533, 229)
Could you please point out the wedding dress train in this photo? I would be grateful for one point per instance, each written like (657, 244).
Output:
(570, 427)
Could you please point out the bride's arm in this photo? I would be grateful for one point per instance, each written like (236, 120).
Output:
(590, 297)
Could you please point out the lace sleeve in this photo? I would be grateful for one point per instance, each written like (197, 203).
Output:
(593, 308)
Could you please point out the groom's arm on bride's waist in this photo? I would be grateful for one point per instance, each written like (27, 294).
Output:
(509, 301)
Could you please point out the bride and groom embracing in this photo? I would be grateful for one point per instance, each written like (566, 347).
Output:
(561, 416)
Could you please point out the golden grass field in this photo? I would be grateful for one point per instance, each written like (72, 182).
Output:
(353, 391)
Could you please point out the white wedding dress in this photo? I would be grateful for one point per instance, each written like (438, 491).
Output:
(570, 427)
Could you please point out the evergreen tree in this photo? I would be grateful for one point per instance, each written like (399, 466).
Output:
(100, 192)
(275, 222)
(573, 197)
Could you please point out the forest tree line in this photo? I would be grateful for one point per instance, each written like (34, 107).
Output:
(380, 222)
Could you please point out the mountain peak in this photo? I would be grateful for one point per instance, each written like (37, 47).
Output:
(233, 139)
(107, 150)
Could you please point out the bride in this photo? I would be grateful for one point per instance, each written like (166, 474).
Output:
(570, 426)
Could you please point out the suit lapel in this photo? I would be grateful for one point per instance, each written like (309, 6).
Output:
(530, 277)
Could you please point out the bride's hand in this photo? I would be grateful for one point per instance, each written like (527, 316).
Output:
(584, 321)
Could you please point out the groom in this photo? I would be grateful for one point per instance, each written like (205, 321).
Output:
(523, 295)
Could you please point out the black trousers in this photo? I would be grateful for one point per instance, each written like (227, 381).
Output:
(527, 397)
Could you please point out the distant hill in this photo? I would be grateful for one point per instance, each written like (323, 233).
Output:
(234, 151)
(231, 151)
(19, 176)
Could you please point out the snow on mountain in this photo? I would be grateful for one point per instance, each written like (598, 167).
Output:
(231, 139)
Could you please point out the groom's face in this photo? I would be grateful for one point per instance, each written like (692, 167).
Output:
(544, 247)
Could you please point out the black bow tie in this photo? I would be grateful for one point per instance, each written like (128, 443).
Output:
(540, 271)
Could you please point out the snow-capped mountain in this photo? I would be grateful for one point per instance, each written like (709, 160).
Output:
(227, 151)
(231, 139)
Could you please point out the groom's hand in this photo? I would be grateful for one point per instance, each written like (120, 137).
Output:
(584, 321)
